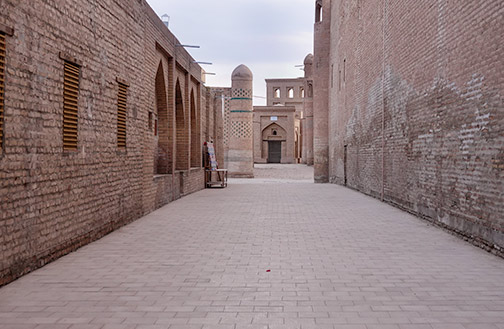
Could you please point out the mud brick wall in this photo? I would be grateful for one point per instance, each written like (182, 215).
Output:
(193, 180)
(53, 201)
(416, 109)
(321, 72)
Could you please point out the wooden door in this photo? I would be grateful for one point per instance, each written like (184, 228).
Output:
(274, 152)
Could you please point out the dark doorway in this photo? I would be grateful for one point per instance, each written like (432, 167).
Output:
(162, 129)
(274, 152)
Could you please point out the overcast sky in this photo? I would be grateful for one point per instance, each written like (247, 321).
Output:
(269, 36)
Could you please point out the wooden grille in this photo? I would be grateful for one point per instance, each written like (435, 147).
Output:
(70, 106)
(2, 86)
(122, 112)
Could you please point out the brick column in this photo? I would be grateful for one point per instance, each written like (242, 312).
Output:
(320, 88)
(308, 112)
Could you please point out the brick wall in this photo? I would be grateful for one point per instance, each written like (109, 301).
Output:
(416, 109)
(321, 71)
(193, 180)
(52, 202)
(307, 124)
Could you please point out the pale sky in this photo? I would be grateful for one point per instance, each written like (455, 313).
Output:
(269, 36)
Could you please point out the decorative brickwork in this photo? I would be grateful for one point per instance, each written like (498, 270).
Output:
(241, 129)
(226, 120)
(240, 156)
(242, 93)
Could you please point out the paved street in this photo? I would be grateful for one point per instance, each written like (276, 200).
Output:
(266, 253)
(284, 172)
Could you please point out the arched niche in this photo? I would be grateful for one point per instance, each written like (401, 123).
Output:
(163, 163)
(274, 132)
(195, 133)
(182, 134)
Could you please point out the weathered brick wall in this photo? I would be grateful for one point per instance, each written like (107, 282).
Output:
(321, 91)
(52, 202)
(416, 109)
(307, 124)
(193, 180)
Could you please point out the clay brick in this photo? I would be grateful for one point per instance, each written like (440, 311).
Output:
(415, 108)
(52, 202)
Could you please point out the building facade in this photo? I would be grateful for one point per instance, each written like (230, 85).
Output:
(408, 108)
(102, 118)
(274, 134)
(289, 92)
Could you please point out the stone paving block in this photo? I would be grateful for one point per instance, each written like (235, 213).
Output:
(86, 326)
(119, 326)
(185, 326)
(151, 326)
(337, 259)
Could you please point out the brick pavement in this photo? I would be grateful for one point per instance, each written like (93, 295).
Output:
(283, 171)
(337, 259)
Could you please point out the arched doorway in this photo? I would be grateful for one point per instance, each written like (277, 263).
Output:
(274, 139)
(162, 160)
(195, 135)
(182, 135)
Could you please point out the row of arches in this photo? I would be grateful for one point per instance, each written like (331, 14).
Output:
(179, 149)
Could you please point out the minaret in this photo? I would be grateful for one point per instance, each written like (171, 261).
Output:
(241, 143)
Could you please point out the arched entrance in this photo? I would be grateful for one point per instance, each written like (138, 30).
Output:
(182, 135)
(161, 130)
(274, 138)
(195, 135)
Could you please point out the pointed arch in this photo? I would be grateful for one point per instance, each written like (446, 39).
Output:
(195, 134)
(182, 135)
(162, 161)
(274, 138)
(274, 131)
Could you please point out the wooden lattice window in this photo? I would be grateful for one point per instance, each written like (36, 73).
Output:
(2, 87)
(70, 106)
(122, 112)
